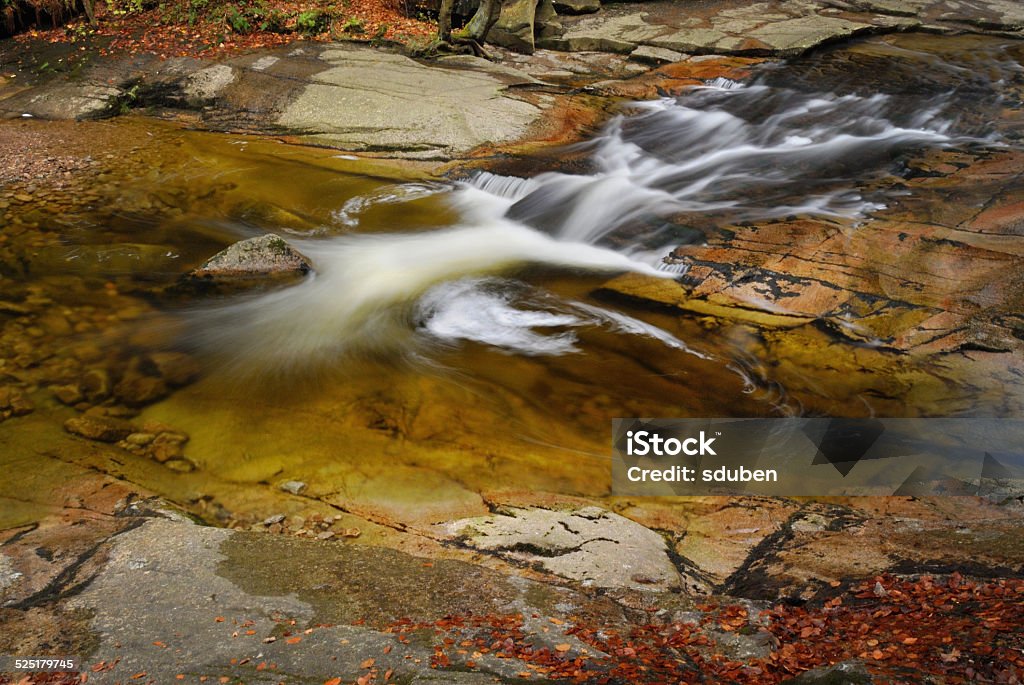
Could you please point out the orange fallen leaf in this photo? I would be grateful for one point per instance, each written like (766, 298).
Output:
(294, 640)
(368, 663)
(564, 647)
(333, 681)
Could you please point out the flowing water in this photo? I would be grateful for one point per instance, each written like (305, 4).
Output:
(458, 337)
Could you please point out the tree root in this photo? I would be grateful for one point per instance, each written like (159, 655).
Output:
(455, 46)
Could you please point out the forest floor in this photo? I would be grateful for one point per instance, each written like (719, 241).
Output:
(208, 28)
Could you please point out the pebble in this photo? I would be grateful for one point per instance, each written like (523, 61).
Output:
(293, 486)
(271, 520)
(140, 439)
(103, 429)
(181, 465)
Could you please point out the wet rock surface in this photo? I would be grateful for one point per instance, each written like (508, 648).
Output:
(326, 558)
(281, 606)
(266, 256)
(386, 104)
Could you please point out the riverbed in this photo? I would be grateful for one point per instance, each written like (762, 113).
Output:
(475, 333)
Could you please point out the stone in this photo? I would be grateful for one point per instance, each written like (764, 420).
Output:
(843, 673)
(15, 402)
(138, 390)
(95, 384)
(165, 451)
(591, 545)
(175, 368)
(69, 394)
(577, 6)
(266, 255)
(361, 102)
(100, 428)
(59, 100)
(522, 21)
(180, 464)
(514, 28)
(295, 487)
(647, 54)
(140, 439)
(207, 84)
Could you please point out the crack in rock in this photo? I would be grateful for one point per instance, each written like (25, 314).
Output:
(590, 545)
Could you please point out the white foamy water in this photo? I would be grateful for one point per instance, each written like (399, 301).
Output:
(360, 297)
(499, 313)
(739, 152)
(725, 150)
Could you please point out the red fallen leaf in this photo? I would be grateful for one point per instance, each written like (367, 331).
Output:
(387, 649)
(219, 619)
(368, 663)
(294, 640)
(390, 672)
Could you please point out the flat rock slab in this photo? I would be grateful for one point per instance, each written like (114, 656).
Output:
(59, 100)
(779, 29)
(367, 100)
(591, 545)
(167, 597)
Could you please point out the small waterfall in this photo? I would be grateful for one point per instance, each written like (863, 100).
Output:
(721, 153)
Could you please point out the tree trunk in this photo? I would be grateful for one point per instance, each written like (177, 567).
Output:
(480, 25)
(444, 21)
(469, 37)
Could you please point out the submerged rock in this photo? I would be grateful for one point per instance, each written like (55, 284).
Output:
(100, 428)
(14, 402)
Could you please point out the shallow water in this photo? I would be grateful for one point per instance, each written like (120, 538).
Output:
(457, 337)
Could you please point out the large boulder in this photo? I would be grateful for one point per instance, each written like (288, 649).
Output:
(523, 21)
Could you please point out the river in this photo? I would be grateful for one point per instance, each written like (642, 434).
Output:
(464, 336)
